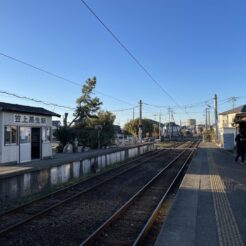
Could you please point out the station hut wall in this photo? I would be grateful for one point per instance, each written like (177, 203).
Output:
(11, 152)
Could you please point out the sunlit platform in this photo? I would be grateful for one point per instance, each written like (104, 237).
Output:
(210, 205)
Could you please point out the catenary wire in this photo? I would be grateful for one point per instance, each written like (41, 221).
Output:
(36, 100)
(131, 54)
(10, 94)
(59, 77)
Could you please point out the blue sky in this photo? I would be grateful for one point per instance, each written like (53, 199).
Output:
(194, 49)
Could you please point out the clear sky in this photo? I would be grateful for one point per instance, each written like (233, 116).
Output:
(194, 49)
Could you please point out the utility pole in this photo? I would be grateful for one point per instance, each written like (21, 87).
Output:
(140, 126)
(169, 131)
(173, 122)
(206, 118)
(216, 117)
(133, 114)
(160, 126)
(209, 124)
(234, 99)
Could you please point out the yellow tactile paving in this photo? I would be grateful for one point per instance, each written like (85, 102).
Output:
(228, 231)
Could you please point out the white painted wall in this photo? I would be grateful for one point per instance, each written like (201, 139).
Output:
(46, 150)
(10, 153)
(76, 169)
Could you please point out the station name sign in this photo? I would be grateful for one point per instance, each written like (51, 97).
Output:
(29, 119)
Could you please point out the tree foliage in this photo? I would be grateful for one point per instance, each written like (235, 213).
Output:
(65, 135)
(87, 106)
(132, 127)
(88, 121)
(103, 125)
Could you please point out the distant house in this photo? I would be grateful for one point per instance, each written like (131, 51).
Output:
(240, 119)
(157, 124)
(171, 130)
(118, 135)
(227, 122)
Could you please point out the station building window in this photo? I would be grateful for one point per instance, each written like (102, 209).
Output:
(10, 135)
(25, 135)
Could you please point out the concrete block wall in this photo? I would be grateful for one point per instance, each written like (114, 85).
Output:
(25, 184)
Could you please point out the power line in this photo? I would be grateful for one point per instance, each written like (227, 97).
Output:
(155, 106)
(58, 76)
(197, 104)
(36, 100)
(40, 69)
(10, 94)
(130, 54)
(116, 99)
(122, 110)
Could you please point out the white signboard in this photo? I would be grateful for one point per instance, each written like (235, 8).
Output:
(29, 119)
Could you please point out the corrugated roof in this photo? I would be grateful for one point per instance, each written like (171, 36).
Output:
(240, 109)
(9, 107)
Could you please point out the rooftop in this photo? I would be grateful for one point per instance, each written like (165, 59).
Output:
(9, 107)
(237, 110)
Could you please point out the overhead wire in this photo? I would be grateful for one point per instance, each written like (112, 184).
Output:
(197, 104)
(10, 94)
(130, 54)
(36, 100)
(59, 76)
(123, 110)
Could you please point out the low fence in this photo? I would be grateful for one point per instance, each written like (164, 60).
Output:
(29, 183)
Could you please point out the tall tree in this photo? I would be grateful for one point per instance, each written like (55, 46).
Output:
(87, 106)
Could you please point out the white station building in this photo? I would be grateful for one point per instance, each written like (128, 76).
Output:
(25, 133)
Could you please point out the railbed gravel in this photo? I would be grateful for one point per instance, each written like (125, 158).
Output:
(72, 222)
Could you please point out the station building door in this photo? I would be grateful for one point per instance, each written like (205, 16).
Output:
(25, 144)
(36, 143)
(30, 143)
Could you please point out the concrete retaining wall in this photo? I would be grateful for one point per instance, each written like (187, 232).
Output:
(25, 184)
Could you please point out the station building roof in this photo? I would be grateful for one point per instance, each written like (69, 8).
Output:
(237, 110)
(9, 107)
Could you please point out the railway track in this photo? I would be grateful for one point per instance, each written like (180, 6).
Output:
(31, 212)
(130, 224)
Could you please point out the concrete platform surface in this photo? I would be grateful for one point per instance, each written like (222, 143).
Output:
(9, 169)
(210, 207)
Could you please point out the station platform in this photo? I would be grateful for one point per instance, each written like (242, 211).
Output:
(12, 169)
(210, 206)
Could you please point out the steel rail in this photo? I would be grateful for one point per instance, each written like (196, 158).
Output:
(116, 215)
(125, 163)
(153, 216)
(14, 226)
